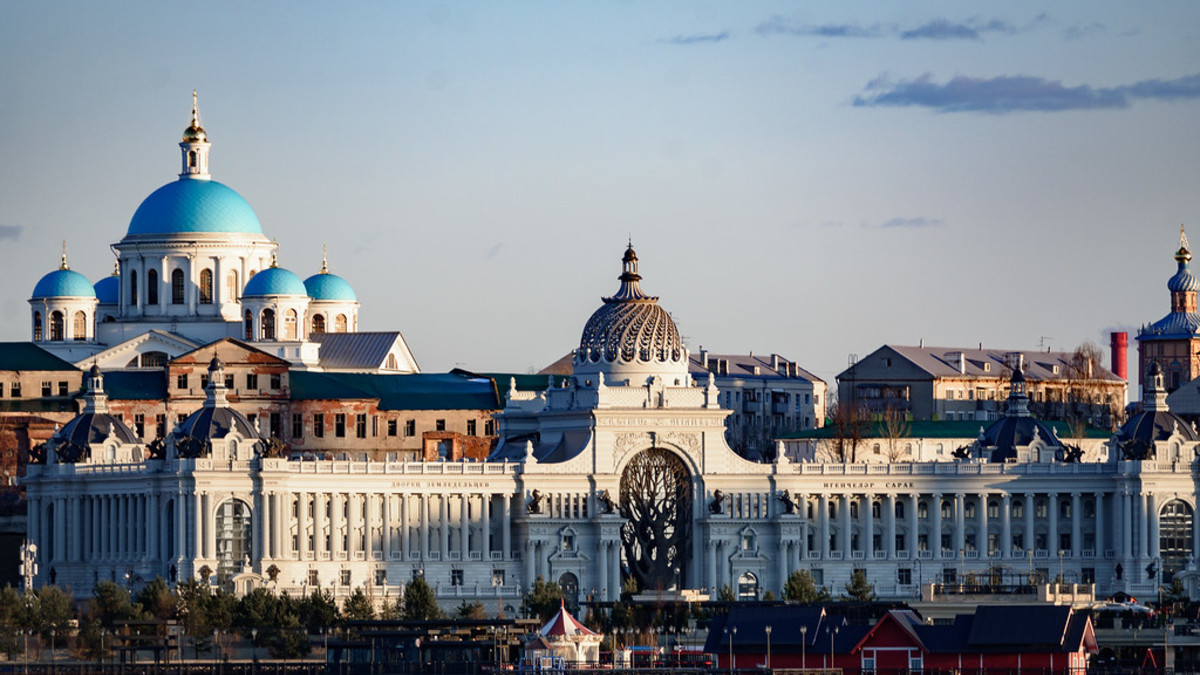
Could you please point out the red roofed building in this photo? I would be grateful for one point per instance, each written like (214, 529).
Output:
(569, 638)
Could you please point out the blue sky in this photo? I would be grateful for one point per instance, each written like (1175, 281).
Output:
(813, 179)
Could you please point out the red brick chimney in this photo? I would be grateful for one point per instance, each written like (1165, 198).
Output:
(1120, 344)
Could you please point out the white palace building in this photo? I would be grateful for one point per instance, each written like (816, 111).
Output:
(623, 471)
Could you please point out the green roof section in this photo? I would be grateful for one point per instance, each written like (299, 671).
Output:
(133, 385)
(528, 382)
(926, 429)
(422, 391)
(28, 356)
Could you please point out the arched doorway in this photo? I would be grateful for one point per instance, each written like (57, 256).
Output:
(1174, 536)
(656, 501)
(569, 584)
(747, 587)
(234, 540)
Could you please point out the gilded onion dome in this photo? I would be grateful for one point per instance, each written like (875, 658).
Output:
(1183, 280)
(630, 328)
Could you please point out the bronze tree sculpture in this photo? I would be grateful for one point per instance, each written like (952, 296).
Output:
(656, 502)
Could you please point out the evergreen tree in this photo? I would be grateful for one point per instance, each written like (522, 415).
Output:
(358, 606)
(110, 603)
(158, 600)
(10, 622)
(726, 594)
(420, 601)
(49, 608)
(801, 588)
(471, 610)
(858, 588)
(543, 600)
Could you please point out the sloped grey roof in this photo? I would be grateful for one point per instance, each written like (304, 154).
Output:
(351, 351)
(743, 365)
(1038, 365)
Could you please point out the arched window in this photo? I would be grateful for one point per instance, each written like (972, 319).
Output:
(1018, 509)
(206, 287)
(289, 325)
(154, 360)
(152, 287)
(37, 326)
(249, 325)
(56, 325)
(177, 287)
(391, 363)
(339, 324)
(747, 587)
(192, 159)
(268, 324)
(79, 326)
(231, 286)
(234, 539)
(133, 287)
(318, 324)
(1174, 536)
(899, 509)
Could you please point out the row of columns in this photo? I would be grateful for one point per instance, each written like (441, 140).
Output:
(404, 524)
(1133, 524)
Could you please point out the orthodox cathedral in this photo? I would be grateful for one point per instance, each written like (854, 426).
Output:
(620, 471)
(193, 267)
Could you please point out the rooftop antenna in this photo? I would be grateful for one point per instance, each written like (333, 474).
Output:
(1042, 343)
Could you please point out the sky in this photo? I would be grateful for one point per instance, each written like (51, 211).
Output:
(814, 179)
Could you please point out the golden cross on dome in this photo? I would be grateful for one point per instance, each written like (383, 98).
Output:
(1183, 242)
(64, 256)
(324, 260)
(195, 111)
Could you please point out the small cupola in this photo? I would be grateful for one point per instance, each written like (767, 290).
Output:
(194, 147)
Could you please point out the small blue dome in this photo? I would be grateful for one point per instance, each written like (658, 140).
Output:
(1183, 280)
(62, 283)
(108, 290)
(190, 205)
(326, 286)
(274, 281)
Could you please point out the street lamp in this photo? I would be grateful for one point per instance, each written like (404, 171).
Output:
(1061, 579)
(832, 630)
(731, 632)
(803, 646)
(767, 629)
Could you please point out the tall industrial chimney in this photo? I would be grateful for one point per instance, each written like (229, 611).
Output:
(1120, 344)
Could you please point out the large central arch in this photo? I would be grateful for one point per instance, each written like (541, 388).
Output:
(656, 501)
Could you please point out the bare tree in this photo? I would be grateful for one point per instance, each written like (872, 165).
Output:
(656, 501)
(895, 427)
(1087, 397)
(849, 423)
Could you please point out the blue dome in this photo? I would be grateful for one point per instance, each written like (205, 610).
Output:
(274, 281)
(190, 205)
(326, 286)
(108, 290)
(64, 284)
(1183, 280)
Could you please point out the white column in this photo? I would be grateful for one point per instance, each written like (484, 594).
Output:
(823, 517)
(485, 527)
(615, 569)
(602, 573)
(464, 523)
(444, 525)
(154, 540)
(981, 537)
(802, 509)
(1152, 524)
(914, 526)
(1076, 526)
(1005, 526)
(1099, 525)
(1126, 525)
(387, 526)
(198, 519)
(425, 527)
(530, 563)
(301, 525)
(354, 528)
(506, 528)
(936, 535)
(1030, 507)
(868, 513)
(337, 522)
(889, 534)
(404, 525)
(320, 524)
(959, 521)
(844, 526)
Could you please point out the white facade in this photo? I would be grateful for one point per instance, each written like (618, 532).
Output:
(550, 503)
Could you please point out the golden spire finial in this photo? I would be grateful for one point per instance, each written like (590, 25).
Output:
(116, 267)
(274, 259)
(1184, 254)
(324, 260)
(1183, 242)
(64, 266)
(195, 111)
